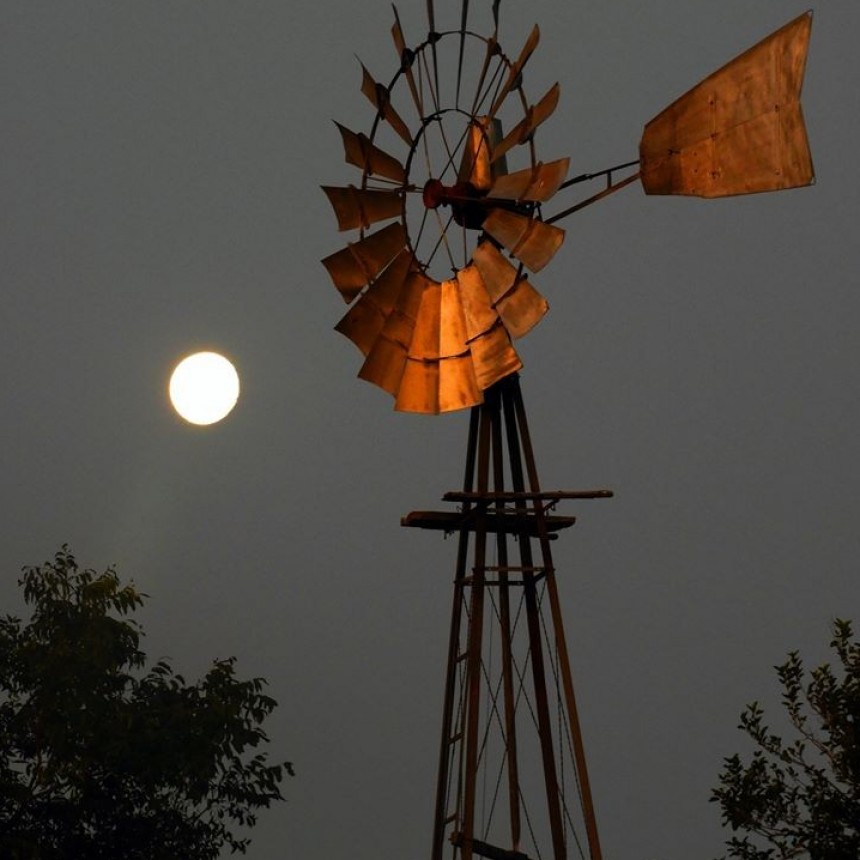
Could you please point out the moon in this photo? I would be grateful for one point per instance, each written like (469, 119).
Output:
(204, 388)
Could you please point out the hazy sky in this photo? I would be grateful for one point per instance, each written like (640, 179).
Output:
(159, 173)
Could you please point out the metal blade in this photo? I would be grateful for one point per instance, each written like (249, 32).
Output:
(360, 207)
(494, 357)
(740, 130)
(452, 337)
(364, 321)
(517, 69)
(385, 363)
(358, 150)
(380, 98)
(475, 165)
(523, 130)
(516, 301)
(352, 268)
(406, 59)
(458, 385)
(431, 387)
(419, 388)
(531, 242)
(479, 315)
(426, 335)
(537, 183)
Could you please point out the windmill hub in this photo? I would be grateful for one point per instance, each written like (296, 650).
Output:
(463, 198)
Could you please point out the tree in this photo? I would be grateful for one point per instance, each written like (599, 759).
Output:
(801, 798)
(101, 757)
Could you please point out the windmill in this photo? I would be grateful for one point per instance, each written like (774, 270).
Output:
(450, 225)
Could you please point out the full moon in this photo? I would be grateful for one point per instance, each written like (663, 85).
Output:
(204, 388)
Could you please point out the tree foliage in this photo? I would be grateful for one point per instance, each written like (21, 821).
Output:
(801, 797)
(102, 757)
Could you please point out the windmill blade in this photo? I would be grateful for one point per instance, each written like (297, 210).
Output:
(439, 373)
(479, 315)
(426, 335)
(354, 267)
(532, 242)
(475, 164)
(494, 357)
(364, 321)
(740, 130)
(406, 59)
(386, 361)
(519, 305)
(458, 384)
(535, 116)
(358, 150)
(379, 96)
(360, 207)
(435, 347)
(419, 387)
(452, 339)
(444, 385)
(517, 69)
(534, 184)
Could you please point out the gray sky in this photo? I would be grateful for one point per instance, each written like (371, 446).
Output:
(159, 173)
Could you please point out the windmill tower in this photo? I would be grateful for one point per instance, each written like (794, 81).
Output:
(450, 222)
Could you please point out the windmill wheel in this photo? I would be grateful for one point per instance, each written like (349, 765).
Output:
(448, 219)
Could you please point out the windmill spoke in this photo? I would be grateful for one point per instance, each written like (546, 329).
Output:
(463, 24)
(485, 87)
(431, 20)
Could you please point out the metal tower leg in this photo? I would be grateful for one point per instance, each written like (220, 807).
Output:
(509, 706)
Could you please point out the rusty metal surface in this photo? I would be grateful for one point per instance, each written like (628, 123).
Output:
(531, 242)
(354, 267)
(401, 48)
(378, 95)
(476, 165)
(360, 152)
(740, 130)
(363, 322)
(425, 345)
(458, 383)
(537, 183)
(516, 70)
(419, 387)
(479, 315)
(494, 357)
(519, 305)
(523, 130)
(386, 361)
(358, 208)
(436, 346)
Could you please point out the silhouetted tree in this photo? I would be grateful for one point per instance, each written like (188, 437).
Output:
(800, 798)
(101, 757)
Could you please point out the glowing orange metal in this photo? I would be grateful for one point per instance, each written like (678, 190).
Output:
(740, 130)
